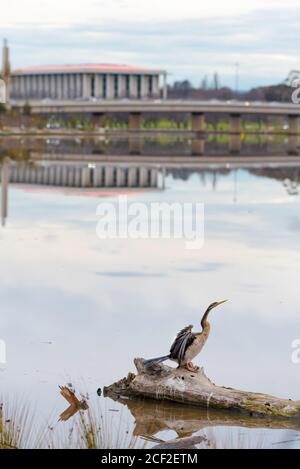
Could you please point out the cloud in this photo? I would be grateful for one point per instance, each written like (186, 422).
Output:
(263, 41)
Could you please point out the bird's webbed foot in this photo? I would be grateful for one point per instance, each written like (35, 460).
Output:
(190, 367)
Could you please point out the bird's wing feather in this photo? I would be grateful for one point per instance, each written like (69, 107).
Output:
(182, 341)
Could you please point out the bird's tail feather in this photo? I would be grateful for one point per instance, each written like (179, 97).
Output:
(153, 361)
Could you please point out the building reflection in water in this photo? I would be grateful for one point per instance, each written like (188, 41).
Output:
(5, 175)
(85, 175)
(68, 174)
(76, 175)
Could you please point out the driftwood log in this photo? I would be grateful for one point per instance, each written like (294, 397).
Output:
(179, 385)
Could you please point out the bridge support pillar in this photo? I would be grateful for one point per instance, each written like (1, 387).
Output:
(198, 145)
(235, 144)
(135, 121)
(235, 123)
(135, 145)
(198, 122)
(235, 130)
(293, 121)
(98, 119)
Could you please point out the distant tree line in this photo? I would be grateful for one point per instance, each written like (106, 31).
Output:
(212, 89)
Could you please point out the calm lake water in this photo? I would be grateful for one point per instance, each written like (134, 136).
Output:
(77, 309)
(156, 144)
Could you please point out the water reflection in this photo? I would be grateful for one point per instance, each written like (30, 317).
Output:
(84, 176)
(76, 175)
(5, 176)
(153, 417)
(288, 175)
(66, 295)
(165, 144)
(75, 405)
(67, 174)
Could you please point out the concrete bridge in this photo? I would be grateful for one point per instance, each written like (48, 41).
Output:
(135, 109)
(48, 106)
(197, 109)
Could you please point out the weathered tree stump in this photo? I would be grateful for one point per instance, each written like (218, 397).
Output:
(162, 382)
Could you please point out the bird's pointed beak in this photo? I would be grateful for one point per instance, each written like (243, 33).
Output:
(220, 302)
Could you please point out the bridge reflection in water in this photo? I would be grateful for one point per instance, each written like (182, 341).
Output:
(84, 176)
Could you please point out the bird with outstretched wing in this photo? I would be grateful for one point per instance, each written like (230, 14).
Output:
(187, 344)
(183, 340)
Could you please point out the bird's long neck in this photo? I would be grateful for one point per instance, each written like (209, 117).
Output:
(204, 322)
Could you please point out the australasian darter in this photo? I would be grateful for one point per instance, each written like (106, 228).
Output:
(187, 344)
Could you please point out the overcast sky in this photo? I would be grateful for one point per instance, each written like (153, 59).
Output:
(185, 37)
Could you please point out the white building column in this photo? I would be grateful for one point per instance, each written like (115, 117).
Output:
(39, 86)
(34, 86)
(122, 86)
(42, 81)
(133, 86)
(98, 85)
(58, 86)
(165, 88)
(78, 85)
(109, 86)
(143, 177)
(31, 85)
(49, 86)
(109, 176)
(20, 85)
(86, 86)
(144, 86)
(155, 86)
(23, 87)
(66, 90)
(27, 86)
(71, 86)
(14, 87)
(46, 86)
(120, 176)
(52, 86)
